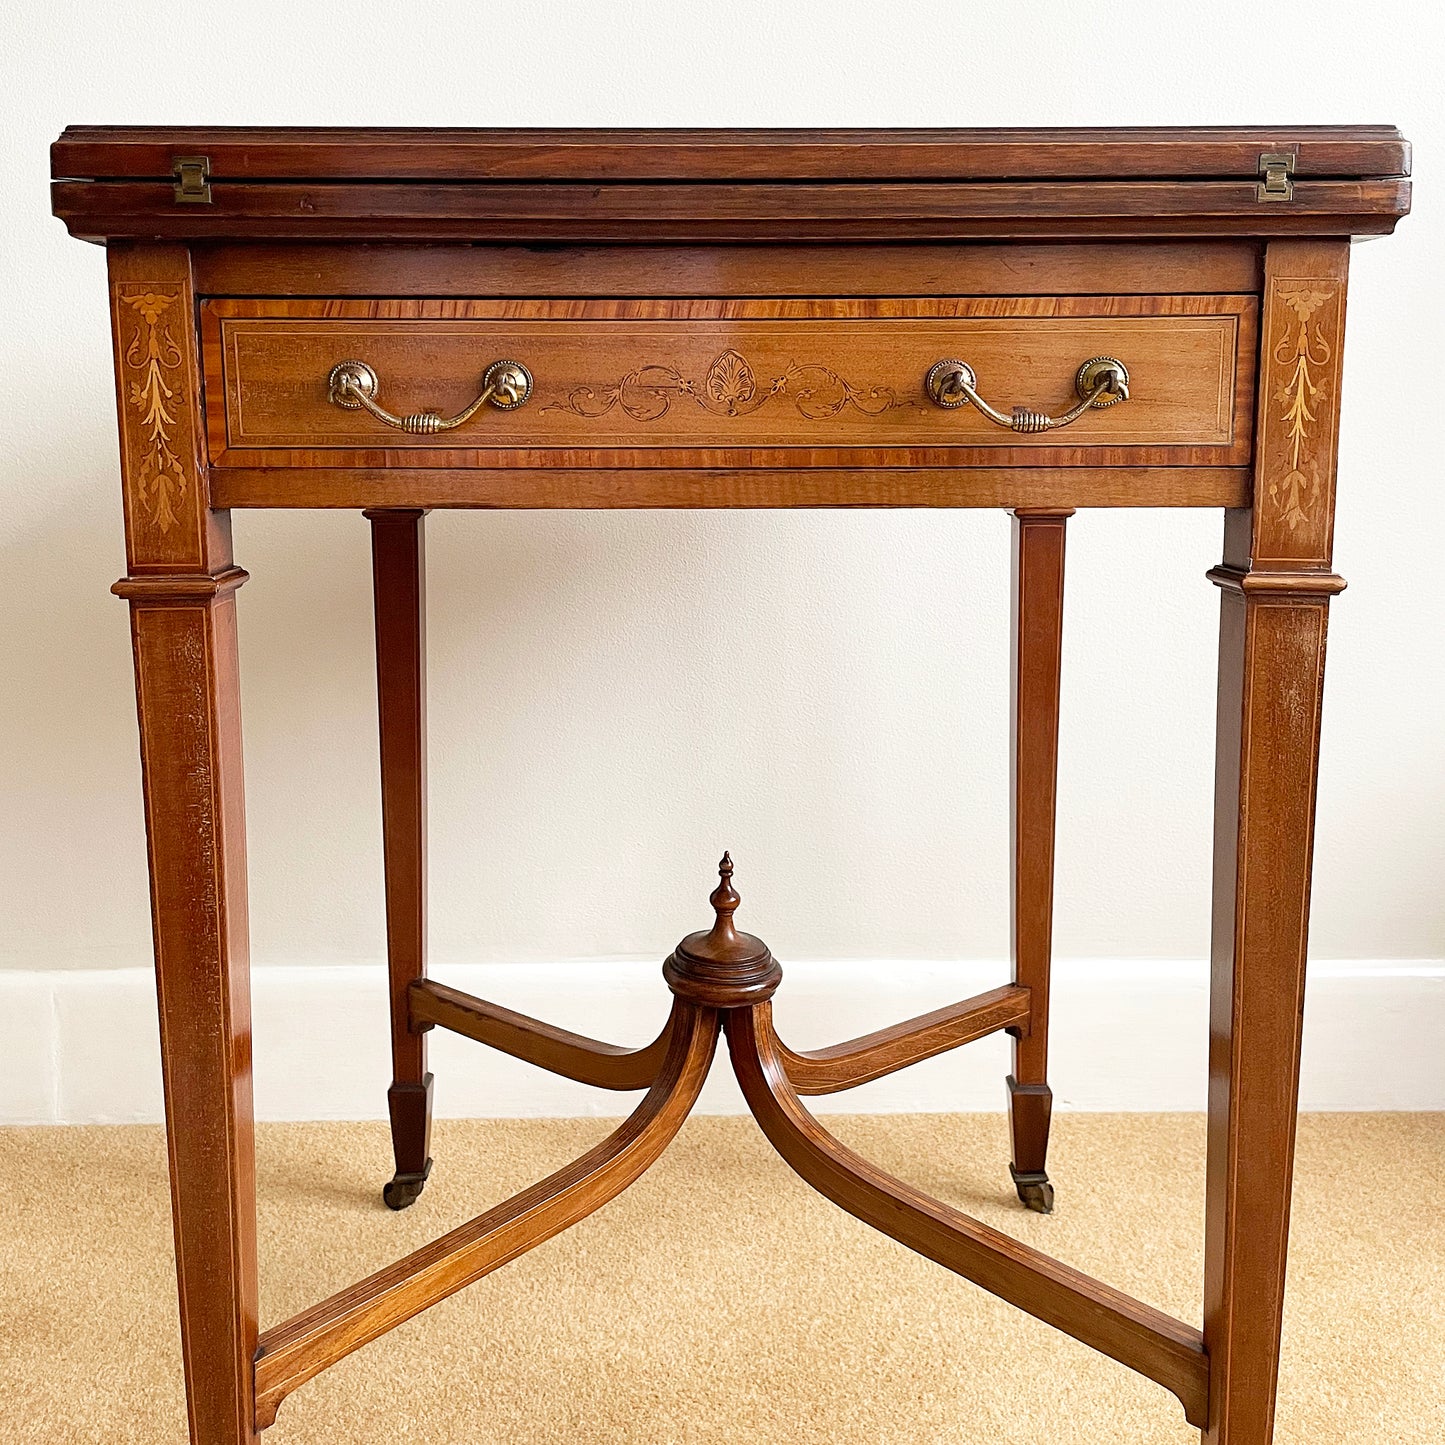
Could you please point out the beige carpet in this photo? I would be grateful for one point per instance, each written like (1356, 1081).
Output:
(720, 1300)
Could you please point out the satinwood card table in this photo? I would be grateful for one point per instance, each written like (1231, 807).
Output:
(397, 320)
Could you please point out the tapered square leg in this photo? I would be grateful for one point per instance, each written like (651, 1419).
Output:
(1031, 1108)
(1276, 586)
(1272, 667)
(181, 585)
(1038, 612)
(399, 578)
(409, 1107)
(185, 657)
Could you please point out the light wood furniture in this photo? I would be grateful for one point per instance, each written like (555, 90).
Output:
(398, 320)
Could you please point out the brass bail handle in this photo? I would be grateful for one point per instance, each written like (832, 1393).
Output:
(506, 385)
(1101, 381)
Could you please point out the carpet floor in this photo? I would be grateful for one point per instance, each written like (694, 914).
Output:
(719, 1299)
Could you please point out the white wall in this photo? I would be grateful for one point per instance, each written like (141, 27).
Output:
(590, 760)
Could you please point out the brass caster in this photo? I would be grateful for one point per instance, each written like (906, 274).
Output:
(1035, 1191)
(405, 1189)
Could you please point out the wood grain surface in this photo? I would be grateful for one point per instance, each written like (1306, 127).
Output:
(861, 1060)
(559, 1051)
(398, 569)
(354, 152)
(291, 1353)
(731, 382)
(1145, 1339)
(1035, 674)
(169, 527)
(181, 586)
(731, 186)
(1092, 268)
(379, 486)
(766, 212)
(1275, 588)
(729, 319)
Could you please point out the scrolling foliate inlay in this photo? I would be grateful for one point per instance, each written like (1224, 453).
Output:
(155, 398)
(1299, 428)
(730, 388)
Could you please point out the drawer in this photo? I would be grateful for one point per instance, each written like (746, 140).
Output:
(730, 383)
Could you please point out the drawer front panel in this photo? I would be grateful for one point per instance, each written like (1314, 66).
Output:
(730, 383)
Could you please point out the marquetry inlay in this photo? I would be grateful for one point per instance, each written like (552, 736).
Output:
(1301, 354)
(154, 387)
(731, 388)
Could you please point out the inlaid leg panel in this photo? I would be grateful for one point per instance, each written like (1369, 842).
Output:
(181, 584)
(1275, 584)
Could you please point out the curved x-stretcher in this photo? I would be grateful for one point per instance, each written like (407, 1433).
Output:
(725, 979)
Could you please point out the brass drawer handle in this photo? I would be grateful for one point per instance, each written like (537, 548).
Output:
(1101, 381)
(353, 384)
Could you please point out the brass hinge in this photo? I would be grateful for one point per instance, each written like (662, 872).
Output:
(1276, 169)
(193, 179)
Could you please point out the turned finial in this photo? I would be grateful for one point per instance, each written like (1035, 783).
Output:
(721, 967)
(724, 899)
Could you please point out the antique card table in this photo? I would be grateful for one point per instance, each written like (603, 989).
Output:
(397, 320)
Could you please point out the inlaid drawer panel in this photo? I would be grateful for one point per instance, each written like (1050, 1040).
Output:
(729, 383)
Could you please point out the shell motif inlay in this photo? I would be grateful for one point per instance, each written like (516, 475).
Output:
(730, 388)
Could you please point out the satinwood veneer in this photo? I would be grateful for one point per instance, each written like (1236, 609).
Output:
(1041, 321)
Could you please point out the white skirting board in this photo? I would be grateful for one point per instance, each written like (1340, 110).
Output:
(80, 1047)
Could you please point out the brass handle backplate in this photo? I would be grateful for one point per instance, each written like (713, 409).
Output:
(506, 385)
(1099, 382)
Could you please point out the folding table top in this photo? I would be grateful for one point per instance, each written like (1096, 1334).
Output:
(370, 183)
